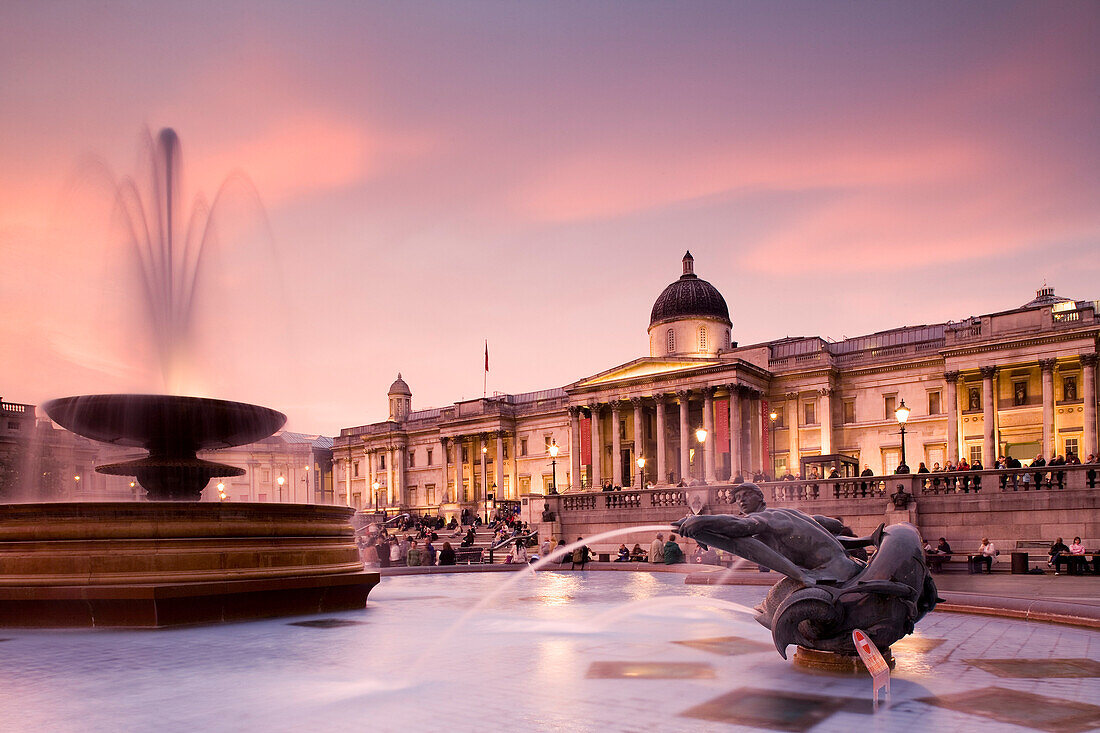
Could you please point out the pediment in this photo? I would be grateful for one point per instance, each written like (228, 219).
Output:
(645, 367)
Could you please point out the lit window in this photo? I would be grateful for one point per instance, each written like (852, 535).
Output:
(1071, 446)
(702, 338)
(671, 341)
(975, 454)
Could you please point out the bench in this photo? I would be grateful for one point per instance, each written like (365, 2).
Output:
(468, 555)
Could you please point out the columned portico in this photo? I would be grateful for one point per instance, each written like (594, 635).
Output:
(685, 443)
(662, 441)
(709, 474)
(597, 445)
(989, 442)
(952, 379)
(616, 445)
(1046, 366)
(735, 432)
(574, 447)
(444, 494)
(459, 469)
(1088, 366)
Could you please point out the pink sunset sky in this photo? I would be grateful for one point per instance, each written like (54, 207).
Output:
(438, 174)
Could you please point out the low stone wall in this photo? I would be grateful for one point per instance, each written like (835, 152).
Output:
(963, 507)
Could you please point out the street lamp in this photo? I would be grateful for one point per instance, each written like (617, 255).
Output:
(772, 417)
(281, 480)
(554, 467)
(375, 486)
(221, 491)
(641, 472)
(902, 414)
(701, 436)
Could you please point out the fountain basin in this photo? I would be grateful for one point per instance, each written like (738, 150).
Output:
(161, 564)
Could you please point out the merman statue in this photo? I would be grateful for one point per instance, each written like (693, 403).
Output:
(827, 592)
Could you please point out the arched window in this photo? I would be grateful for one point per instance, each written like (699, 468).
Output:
(727, 338)
(671, 341)
(702, 338)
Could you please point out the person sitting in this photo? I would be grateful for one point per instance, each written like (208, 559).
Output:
(709, 556)
(1056, 552)
(580, 556)
(938, 555)
(657, 550)
(1076, 557)
(637, 554)
(429, 555)
(624, 554)
(673, 554)
(447, 555)
(986, 553)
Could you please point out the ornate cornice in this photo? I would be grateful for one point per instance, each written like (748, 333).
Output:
(1047, 365)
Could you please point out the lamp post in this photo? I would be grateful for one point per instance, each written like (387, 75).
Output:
(281, 480)
(221, 491)
(772, 417)
(375, 486)
(554, 467)
(641, 472)
(701, 436)
(305, 480)
(902, 414)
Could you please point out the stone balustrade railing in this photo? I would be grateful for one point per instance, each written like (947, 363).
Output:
(876, 488)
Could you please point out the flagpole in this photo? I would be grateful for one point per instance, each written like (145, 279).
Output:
(485, 374)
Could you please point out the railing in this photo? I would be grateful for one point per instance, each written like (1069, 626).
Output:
(873, 488)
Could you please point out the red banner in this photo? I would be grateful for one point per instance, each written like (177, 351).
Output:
(586, 441)
(765, 437)
(722, 425)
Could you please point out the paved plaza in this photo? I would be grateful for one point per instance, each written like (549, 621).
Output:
(553, 651)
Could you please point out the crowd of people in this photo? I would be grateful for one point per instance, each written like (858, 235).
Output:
(1073, 556)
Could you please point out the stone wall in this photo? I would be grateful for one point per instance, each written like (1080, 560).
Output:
(1003, 508)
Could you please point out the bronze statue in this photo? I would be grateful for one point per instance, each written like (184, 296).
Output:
(827, 593)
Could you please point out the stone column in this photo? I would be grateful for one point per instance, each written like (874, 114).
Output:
(616, 445)
(483, 449)
(989, 442)
(709, 474)
(639, 441)
(952, 379)
(597, 446)
(735, 432)
(347, 479)
(1046, 367)
(500, 464)
(683, 397)
(574, 447)
(662, 442)
(401, 460)
(456, 441)
(443, 493)
(391, 479)
(793, 435)
(1088, 373)
(372, 496)
(825, 405)
(755, 426)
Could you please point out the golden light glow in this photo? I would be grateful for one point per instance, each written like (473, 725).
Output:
(902, 413)
(553, 450)
(701, 435)
(641, 462)
(281, 480)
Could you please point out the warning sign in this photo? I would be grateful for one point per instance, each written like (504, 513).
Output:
(876, 665)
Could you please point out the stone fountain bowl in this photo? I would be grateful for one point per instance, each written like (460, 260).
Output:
(173, 429)
(160, 423)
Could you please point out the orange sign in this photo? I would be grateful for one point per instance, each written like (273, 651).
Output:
(876, 665)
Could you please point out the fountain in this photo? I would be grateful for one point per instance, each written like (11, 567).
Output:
(174, 559)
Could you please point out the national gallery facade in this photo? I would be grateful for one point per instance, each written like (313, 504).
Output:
(701, 407)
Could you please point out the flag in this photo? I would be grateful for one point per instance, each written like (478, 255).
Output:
(486, 355)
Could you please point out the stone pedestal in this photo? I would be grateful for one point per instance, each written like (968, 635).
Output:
(836, 663)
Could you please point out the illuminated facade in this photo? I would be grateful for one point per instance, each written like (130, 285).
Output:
(1020, 382)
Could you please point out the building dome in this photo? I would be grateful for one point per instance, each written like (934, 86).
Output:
(1045, 296)
(689, 297)
(399, 387)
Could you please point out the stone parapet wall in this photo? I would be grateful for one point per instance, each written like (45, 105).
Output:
(1003, 508)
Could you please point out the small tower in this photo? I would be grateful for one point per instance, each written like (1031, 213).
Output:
(400, 397)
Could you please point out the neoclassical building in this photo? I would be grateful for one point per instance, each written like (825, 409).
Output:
(1020, 382)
